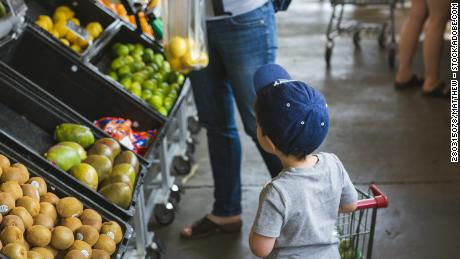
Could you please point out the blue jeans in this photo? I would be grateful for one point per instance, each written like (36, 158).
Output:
(238, 46)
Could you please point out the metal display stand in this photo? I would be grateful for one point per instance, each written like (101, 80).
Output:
(160, 195)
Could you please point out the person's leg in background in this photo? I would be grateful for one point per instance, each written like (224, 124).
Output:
(410, 35)
(252, 45)
(432, 45)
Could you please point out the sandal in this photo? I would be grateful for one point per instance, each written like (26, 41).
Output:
(441, 91)
(412, 83)
(205, 227)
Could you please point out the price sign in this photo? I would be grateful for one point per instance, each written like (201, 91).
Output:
(79, 31)
(16, 6)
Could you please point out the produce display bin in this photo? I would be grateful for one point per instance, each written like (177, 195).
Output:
(36, 166)
(75, 84)
(32, 121)
(85, 10)
(101, 58)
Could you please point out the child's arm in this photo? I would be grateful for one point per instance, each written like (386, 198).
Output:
(268, 222)
(349, 194)
(347, 208)
(261, 246)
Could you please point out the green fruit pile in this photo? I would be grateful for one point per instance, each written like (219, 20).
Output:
(146, 74)
(347, 250)
(103, 167)
(37, 223)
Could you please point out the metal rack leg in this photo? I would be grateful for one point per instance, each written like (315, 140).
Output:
(140, 228)
(165, 165)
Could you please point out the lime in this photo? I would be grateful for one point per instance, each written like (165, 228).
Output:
(137, 92)
(158, 59)
(122, 50)
(158, 77)
(163, 111)
(129, 59)
(155, 101)
(130, 47)
(126, 82)
(180, 79)
(136, 85)
(146, 94)
(115, 46)
(149, 51)
(137, 58)
(138, 66)
(117, 63)
(149, 85)
(139, 46)
(154, 66)
(149, 70)
(148, 58)
(164, 86)
(168, 102)
(113, 75)
(174, 86)
(166, 67)
(172, 94)
(139, 77)
(124, 70)
(138, 52)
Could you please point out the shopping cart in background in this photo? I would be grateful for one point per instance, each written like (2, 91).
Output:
(356, 230)
(338, 26)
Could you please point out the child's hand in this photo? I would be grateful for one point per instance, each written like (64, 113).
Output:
(348, 207)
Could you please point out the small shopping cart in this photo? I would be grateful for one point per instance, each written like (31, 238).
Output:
(356, 230)
(337, 26)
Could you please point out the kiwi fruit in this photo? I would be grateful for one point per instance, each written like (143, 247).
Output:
(113, 230)
(76, 254)
(49, 197)
(62, 238)
(6, 202)
(15, 251)
(17, 172)
(40, 184)
(11, 234)
(31, 191)
(12, 188)
(73, 223)
(44, 251)
(103, 150)
(30, 204)
(48, 209)
(92, 218)
(81, 246)
(100, 254)
(127, 157)
(13, 220)
(44, 220)
(105, 243)
(88, 234)
(38, 235)
(69, 207)
(34, 255)
(4, 162)
(24, 215)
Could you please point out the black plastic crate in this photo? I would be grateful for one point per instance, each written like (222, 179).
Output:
(85, 10)
(101, 59)
(37, 166)
(32, 121)
(75, 84)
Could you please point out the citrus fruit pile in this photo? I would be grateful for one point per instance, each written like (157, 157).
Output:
(184, 54)
(104, 167)
(146, 74)
(37, 223)
(57, 26)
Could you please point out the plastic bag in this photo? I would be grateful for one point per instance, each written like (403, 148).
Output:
(185, 39)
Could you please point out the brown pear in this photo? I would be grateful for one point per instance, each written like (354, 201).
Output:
(24, 215)
(81, 246)
(62, 238)
(4, 162)
(32, 205)
(49, 197)
(76, 254)
(105, 243)
(48, 209)
(12, 188)
(11, 234)
(69, 207)
(13, 220)
(44, 220)
(17, 172)
(44, 251)
(38, 235)
(88, 234)
(31, 191)
(39, 183)
(73, 223)
(92, 218)
(15, 251)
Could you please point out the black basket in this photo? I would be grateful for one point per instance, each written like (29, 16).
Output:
(75, 84)
(36, 166)
(85, 10)
(32, 120)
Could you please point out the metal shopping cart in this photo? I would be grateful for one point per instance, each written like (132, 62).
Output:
(337, 27)
(356, 230)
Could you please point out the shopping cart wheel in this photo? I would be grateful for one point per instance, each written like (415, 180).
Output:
(190, 147)
(182, 165)
(382, 39)
(175, 194)
(357, 39)
(154, 250)
(193, 125)
(328, 54)
(392, 56)
(164, 213)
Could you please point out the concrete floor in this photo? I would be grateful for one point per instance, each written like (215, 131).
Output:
(396, 139)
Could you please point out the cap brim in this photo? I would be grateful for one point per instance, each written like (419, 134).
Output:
(268, 74)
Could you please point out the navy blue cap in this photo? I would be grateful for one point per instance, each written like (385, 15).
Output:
(293, 114)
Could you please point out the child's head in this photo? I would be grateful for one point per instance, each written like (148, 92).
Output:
(292, 117)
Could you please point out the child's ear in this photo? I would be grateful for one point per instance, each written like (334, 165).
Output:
(270, 144)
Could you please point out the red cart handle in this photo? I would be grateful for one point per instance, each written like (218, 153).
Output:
(380, 200)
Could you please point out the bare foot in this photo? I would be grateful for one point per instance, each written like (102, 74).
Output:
(187, 231)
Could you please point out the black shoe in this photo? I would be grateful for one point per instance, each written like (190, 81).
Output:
(441, 91)
(412, 83)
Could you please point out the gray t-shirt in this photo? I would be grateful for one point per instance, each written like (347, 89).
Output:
(300, 206)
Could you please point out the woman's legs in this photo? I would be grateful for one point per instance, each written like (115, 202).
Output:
(432, 45)
(410, 38)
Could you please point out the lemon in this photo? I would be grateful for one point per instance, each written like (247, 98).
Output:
(94, 29)
(65, 42)
(43, 24)
(59, 16)
(76, 48)
(81, 42)
(65, 9)
(46, 19)
(175, 64)
(61, 28)
(54, 33)
(178, 47)
(190, 59)
(204, 59)
(76, 21)
(71, 36)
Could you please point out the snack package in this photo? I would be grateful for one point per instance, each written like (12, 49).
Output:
(121, 130)
(185, 39)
